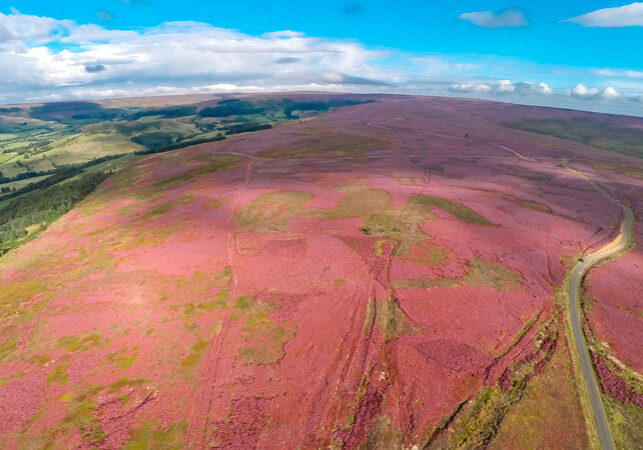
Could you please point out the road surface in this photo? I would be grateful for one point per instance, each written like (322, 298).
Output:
(591, 383)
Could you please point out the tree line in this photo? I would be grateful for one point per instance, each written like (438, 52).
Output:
(45, 205)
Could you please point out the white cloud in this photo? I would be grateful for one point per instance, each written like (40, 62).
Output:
(622, 16)
(470, 87)
(496, 19)
(47, 59)
(580, 90)
(542, 88)
(505, 86)
(609, 93)
(589, 93)
(181, 53)
(18, 26)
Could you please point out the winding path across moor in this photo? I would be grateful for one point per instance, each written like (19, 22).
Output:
(621, 242)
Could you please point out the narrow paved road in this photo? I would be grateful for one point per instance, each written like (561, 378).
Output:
(618, 244)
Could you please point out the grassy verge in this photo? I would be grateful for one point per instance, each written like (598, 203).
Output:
(562, 300)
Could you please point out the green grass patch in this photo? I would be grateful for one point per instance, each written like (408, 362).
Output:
(126, 383)
(264, 337)
(457, 210)
(77, 344)
(270, 213)
(8, 347)
(624, 169)
(360, 202)
(428, 255)
(59, 374)
(124, 358)
(535, 206)
(602, 134)
(626, 420)
(481, 273)
(211, 164)
(195, 355)
(392, 320)
(151, 435)
(81, 416)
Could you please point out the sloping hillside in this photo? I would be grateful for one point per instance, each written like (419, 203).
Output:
(384, 274)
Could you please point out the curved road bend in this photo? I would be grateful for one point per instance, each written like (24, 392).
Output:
(618, 244)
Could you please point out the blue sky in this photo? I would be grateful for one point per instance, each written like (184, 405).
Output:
(521, 51)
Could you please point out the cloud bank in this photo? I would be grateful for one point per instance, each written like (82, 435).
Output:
(623, 16)
(45, 59)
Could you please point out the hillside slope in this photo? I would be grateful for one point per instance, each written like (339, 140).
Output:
(382, 275)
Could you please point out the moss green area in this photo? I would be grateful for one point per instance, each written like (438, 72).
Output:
(40, 359)
(383, 435)
(14, 295)
(626, 422)
(81, 415)
(159, 211)
(402, 225)
(20, 302)
(481, 421)
(206, 165)
(602, 134)
(359, 202)
(392, 320)
(481, 273)
(327, 141)
(7, 347)
(457, 210)
(535, 206)
(126, 382)
(151, 435)
(475, 423)
(195, 355)
(5, 380)
(224, 280)
(216, 289)
(271, 212)
(124, 358)
(526, 327)
(77, 344)
(492, 274)
(549, 411)
(624, 169)
(59, 374)
(430, 255)
(264, 337)
(79, 407)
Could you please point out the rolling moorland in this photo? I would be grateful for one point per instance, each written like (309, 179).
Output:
(370, 272)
